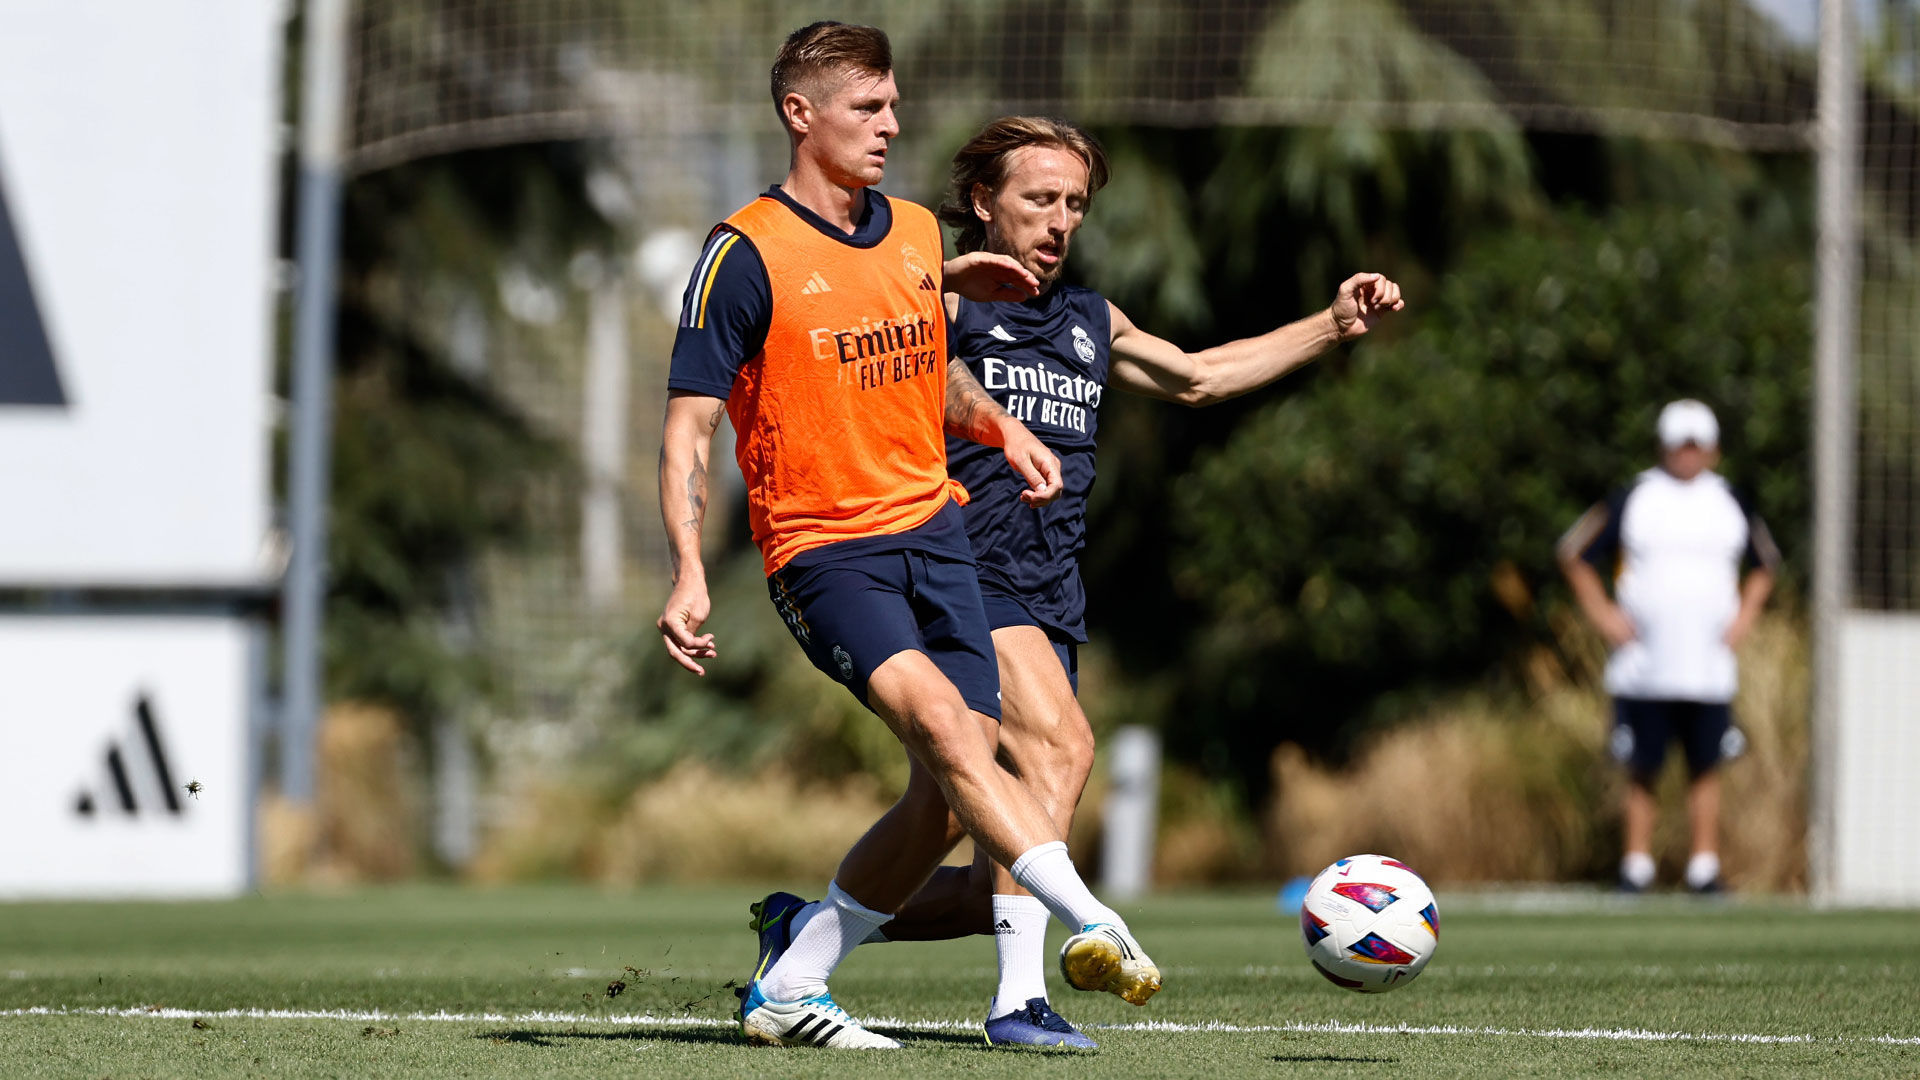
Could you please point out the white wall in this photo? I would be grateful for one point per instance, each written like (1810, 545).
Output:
(137, 160)
(71, 692)
(1876, 769)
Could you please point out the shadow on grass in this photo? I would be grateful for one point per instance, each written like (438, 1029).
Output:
(1297, 1058)
(727, 1036)
(693, 1036)
(915, 1037)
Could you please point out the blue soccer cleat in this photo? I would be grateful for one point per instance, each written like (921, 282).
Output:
(773, 921)
(1036, 1025)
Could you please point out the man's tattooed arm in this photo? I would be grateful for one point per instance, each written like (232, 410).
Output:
(696, 518)
(971, 411)
(683, 534)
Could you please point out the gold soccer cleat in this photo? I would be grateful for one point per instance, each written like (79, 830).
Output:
(1105, 957)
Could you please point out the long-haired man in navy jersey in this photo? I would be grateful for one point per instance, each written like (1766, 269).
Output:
(1021, 188)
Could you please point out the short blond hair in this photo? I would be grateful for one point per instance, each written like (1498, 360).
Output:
(826, 48)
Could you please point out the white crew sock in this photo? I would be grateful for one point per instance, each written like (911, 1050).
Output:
(823, 934)
(1702, 869)
(1048, 874)
(1020, 939)
(1636, 869)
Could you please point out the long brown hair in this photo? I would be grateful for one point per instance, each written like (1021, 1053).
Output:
(985, 159)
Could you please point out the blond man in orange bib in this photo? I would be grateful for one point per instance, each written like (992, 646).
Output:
(814, 321)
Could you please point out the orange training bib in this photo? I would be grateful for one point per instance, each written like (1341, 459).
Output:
(841, 417)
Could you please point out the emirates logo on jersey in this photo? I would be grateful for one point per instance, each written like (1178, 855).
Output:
(882, 353)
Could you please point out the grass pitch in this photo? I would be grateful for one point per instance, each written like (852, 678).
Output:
(561, 982)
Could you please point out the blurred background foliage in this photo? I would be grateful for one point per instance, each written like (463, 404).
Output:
(434, 465)
(1277, 583)
(1390, 527)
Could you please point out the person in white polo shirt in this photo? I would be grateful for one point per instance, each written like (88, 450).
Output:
(1673, 543)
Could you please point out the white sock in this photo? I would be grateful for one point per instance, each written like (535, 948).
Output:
(823, 934)
(1048, 874)
(1702, 869)
(878, 936)
(1020, 939)
(1636, 869)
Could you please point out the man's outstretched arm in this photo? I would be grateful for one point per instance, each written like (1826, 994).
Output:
(685, 444)
(972, 414)
(1155, 367)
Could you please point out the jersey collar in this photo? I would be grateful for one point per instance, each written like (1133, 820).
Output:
(875, 221)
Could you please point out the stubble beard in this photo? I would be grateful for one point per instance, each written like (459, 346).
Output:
(1044, 274)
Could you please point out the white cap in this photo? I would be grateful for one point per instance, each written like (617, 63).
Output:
(1688, 421)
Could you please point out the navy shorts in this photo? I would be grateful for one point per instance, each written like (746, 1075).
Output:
(851, 615)
(1005, 609)
(1642, 727)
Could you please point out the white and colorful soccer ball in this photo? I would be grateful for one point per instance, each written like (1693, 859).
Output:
(1370, 923)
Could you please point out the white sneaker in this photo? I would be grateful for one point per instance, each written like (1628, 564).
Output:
(1103, 956)
(814, 1021)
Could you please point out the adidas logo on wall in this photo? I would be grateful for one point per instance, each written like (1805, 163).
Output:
(136, 777)
(815, 284)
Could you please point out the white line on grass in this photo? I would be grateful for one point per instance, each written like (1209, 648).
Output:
(1324, 1027)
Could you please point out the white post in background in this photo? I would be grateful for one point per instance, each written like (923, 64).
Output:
(1131, 813)
(603, 439)
(456, 788)
(323, 103)
(1837, 315)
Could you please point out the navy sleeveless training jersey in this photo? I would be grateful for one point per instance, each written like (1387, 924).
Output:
(1045, 361)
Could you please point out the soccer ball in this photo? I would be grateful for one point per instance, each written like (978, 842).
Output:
(1370, 924)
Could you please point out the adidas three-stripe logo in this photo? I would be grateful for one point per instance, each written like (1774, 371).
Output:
(815, 284)
(1118, 939)
(127, 784)
(815, 1029)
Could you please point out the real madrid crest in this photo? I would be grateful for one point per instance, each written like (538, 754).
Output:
(1083, 345)
(916, 270)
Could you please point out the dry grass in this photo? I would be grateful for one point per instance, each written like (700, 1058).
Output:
(1482, 790)
(693, 824)
(697, 825)
(1467, 794)
(1764, 826)
(364, 824)
(550, 831)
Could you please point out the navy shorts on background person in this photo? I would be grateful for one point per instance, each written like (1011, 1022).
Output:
(1004, 610)
(1642, 727)
(851, 614)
